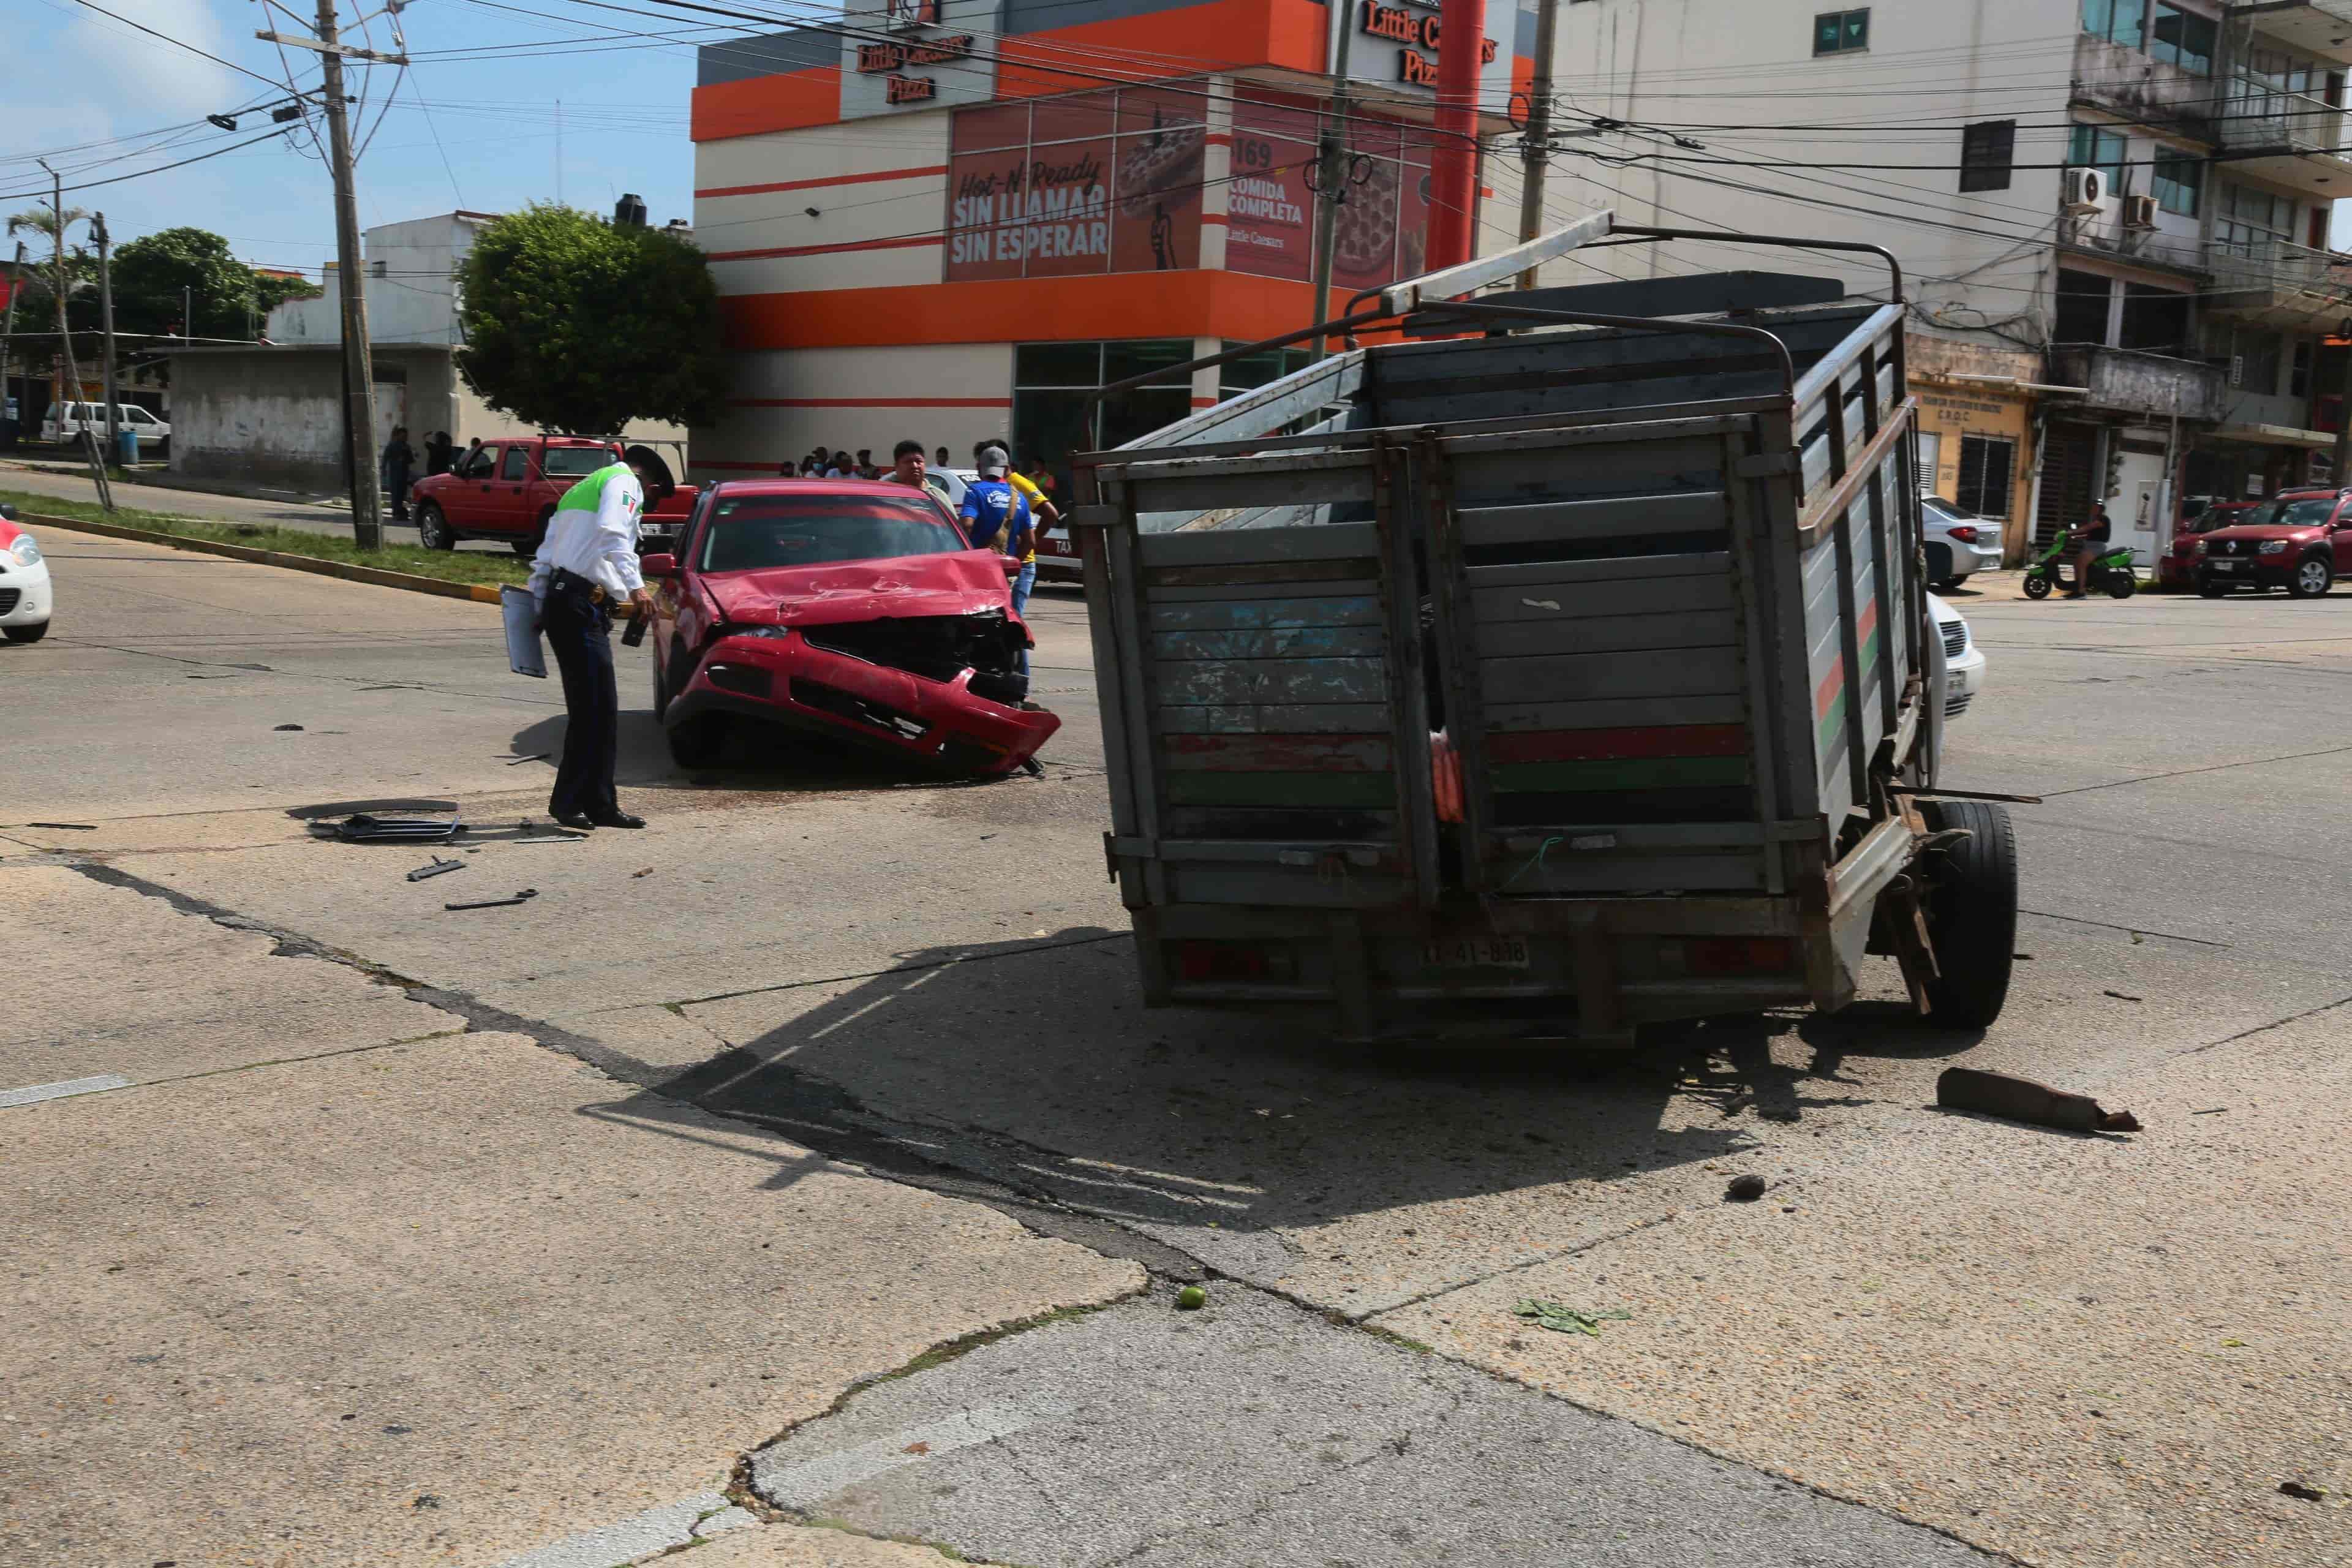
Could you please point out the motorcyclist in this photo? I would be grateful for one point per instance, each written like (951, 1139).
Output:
(2089, 545)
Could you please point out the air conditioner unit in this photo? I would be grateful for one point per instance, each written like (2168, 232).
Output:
(2140, 211)
(2085, 190)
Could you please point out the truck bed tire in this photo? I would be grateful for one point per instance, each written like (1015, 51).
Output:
(1972, 914)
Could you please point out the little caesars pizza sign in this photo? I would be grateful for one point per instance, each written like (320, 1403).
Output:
(1396, 42)
(917, 54)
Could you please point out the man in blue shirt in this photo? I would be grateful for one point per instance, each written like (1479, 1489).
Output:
(996, 515)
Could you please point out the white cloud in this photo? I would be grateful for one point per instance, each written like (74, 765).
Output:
(150, 79)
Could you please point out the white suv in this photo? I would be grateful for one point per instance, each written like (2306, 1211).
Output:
(92, 417)
(1959, 541)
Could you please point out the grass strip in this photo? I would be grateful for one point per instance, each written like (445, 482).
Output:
(447, 565)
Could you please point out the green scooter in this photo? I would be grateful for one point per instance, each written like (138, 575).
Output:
(2111, 570)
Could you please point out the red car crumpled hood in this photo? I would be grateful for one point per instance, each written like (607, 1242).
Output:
(862, 590)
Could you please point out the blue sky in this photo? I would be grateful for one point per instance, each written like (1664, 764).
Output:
(478, 132)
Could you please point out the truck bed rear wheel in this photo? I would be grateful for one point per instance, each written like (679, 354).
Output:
(1972, 914)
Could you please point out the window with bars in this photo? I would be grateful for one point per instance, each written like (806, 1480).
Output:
(1988, 151)
(1987, 475)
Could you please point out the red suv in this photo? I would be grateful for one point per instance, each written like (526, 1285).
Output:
(2176, 569)
(2298, 541)
(508, 489)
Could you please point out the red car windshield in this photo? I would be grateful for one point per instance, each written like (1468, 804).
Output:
(759, 531)
(2294, 513)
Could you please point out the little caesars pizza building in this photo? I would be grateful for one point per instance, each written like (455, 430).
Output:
(951, 219)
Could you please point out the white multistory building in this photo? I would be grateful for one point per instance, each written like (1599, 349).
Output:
(2112, 217)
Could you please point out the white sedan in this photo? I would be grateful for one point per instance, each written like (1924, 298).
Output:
(1964, 662)
(23, 583)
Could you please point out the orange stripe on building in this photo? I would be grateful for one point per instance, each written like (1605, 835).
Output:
(1195, 304)
(902, 242)
(788, 101)
(879, 174)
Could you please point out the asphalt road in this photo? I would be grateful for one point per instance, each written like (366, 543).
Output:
(519, 1235)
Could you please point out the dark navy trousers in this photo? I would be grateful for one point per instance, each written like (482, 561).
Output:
(579, 634)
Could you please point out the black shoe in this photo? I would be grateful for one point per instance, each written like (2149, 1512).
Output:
(619, 819)
(578, 821)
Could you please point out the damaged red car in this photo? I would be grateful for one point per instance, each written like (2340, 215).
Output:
(850, 607)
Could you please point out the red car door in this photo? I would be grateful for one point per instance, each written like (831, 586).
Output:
(682, 618)
(2339, 536)
(506, 499)
(465, 498)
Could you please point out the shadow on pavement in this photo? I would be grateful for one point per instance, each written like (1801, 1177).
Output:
(1035, 1066)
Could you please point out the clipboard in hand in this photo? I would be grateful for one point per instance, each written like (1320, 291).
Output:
(520, 610)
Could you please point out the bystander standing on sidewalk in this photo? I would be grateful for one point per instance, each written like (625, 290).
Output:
(395, 469)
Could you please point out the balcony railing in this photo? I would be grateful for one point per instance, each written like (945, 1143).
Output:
(2276, 269)
(2132, 382)
(2257, 117)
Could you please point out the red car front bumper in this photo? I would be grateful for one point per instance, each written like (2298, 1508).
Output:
(938, 723)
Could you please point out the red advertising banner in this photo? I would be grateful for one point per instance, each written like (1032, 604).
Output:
(1163, 143)
(1098, 182)
(1270, 199)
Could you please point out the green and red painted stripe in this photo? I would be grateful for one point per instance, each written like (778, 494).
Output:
(1829, 697)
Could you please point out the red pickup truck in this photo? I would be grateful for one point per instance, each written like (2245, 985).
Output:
(508, 489)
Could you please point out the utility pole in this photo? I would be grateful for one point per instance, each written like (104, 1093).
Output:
(1331, 164)
(106, 321)
(2335, 474)
(8, 327)
(65, 347)
(359, 370)
(1535, 146)
(359, 379)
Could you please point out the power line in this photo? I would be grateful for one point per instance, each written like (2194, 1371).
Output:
(176, 43)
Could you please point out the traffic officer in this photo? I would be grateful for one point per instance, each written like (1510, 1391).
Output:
(586, 565)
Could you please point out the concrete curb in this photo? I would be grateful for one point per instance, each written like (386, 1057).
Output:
(375, 576)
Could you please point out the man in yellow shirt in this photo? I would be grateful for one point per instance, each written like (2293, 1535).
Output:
(1043, 513)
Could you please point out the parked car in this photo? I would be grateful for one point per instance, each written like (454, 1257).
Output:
(2176, 569)
(25, 601)
(1959, 542)
(854, 609)
(66, 423)
(2302, 541)
(1964, 662)
(508, 489)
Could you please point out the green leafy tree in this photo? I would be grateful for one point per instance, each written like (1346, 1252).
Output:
(154, 275)
(272, 290)
(578, 325)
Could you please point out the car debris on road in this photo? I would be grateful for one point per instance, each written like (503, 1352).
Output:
(522, 896)
(437, 867)
(2022, 1100)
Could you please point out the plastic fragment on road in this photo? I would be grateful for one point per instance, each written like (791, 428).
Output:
(534, 757)
(284, 727)
(435, 868)
(524, 895)
(1562, 1319)
(368, 828)
(2022, 1100)
(75, 826)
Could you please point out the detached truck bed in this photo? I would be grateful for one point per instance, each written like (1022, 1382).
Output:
(1541, 684)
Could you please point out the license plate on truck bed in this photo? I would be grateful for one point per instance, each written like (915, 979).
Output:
(1486, 951)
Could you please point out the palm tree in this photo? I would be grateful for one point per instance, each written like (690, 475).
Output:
(55, 224)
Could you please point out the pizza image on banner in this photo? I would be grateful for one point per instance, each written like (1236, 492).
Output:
(1156, 192)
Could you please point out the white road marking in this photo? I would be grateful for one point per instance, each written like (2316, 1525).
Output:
(810, 1481)
(72, 1086)
(626, 1540)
